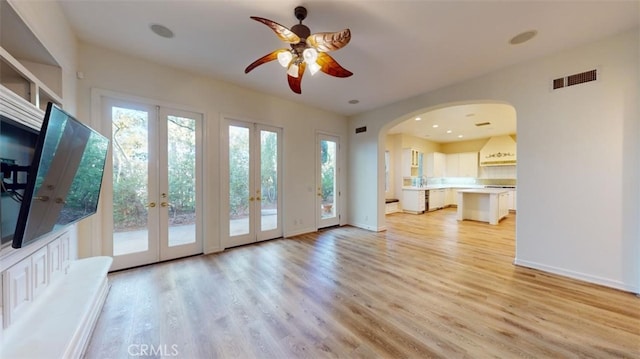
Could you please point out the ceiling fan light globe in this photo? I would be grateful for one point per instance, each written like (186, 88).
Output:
(313, 68)
(284, 58)
(310, 55)
(293, 71)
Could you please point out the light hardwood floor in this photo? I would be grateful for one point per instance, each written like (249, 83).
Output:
(427, 287)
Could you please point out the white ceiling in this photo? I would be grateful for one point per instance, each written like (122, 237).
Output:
(459, 123)
(398, 48)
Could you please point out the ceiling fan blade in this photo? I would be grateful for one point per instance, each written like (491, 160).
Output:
(264, 59)
(295, 83)
(329, 41)
(283, 32)
(331, 67)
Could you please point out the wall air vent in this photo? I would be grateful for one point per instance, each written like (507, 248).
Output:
(480, 124)
(575, 79)
(558, 83)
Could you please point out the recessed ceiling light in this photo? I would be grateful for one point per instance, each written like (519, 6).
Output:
(449, 131)
(161, 30)
(460, 136)
(353, 102)
(418, 118)
(435, 126)
(523, 37)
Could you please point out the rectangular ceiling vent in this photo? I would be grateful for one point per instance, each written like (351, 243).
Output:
(479, 124)
(575, 79)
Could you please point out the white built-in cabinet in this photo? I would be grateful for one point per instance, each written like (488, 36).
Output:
(413, 201)
(27, 279)
(503, 205)
(451, 197)
(512, 200)
(27, 69)
(437, 198)
(45, 290)
(463, 164)
(410, 162)
(436, 164)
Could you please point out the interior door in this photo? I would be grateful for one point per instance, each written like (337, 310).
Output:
(327, 191)
(251, 183)
(156, 178)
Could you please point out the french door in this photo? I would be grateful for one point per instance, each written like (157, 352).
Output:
(251, 183)
(155, 184)
(327, 191)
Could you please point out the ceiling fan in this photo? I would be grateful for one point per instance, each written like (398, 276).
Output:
(307, 50)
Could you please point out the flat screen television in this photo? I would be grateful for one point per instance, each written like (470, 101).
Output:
(64, 178)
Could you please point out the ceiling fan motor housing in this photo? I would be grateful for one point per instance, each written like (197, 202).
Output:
(300, 12)
(301, 30)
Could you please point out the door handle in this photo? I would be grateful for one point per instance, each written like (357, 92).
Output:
(164, 204)
(251, 199)
(152, 204)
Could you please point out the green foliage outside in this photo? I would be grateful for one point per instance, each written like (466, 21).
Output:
(238, 171)
(239, 165)
(130, 169)
(327, 167)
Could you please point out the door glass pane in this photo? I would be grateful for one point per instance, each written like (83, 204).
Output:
(328, 178)
(238, 180)
(130, 177)
(268, 180)
(181, 200)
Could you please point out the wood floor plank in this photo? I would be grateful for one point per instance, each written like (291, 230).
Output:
(428, 287)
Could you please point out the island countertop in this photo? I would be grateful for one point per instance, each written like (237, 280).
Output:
(483, 204)
(485, 190)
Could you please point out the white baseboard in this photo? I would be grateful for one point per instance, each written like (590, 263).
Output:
(579, 276)
(300, 231)
(211, 250)
(369, 227)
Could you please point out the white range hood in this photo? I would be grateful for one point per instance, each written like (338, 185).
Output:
(498, 151)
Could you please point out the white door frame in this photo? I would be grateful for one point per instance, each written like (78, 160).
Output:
(333, 221)
(255, 233)
(101, 101)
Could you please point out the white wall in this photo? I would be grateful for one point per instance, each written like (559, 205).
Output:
(578, 159)
(109, 70)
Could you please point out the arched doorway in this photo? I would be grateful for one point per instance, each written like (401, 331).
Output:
(445, 130)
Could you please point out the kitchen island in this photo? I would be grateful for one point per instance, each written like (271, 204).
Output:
(483, 204)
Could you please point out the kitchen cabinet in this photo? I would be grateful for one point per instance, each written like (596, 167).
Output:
(483, 204)
(437, 199)
(468, 164)
(451, 197)
(503, 205)
(436, 163)
(411, 162)
(512, 200)
(463, 164)
(413, 201)
(452, 164)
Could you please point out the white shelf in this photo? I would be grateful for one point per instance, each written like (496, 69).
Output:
(24, 83)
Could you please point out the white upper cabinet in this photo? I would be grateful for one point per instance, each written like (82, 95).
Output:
(410, 162)
(436, 164)
(462, 164)
(453, 162)
(468, 164)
